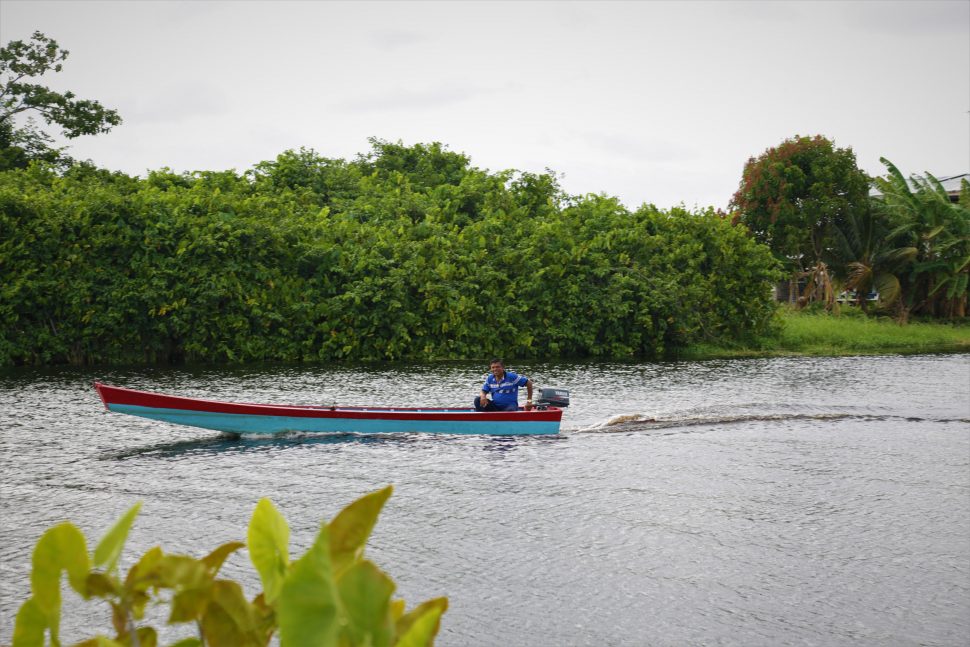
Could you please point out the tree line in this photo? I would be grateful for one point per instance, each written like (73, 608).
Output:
(406, 252)
(410, 252)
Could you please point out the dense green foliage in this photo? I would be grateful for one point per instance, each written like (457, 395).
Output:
(407, 252)
(328, 597)
(935, 231)
(791, 195)
(865, 259)
(21, 63)
(910, 244)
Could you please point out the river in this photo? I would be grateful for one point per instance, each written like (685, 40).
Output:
(818, 501)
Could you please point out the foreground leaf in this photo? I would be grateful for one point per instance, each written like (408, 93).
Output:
(141, 576)
(308, 599)
(214, 560)
(61, 548)
(352, 526)
(189, 605)
(99, 641)
(365, 592)
(29, 627)
(109, 548)
(268, 541)
(229, 618)
(419, 627)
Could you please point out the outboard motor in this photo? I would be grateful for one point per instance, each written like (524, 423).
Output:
(553, 397)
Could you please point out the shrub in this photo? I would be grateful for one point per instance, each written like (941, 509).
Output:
(329, 596)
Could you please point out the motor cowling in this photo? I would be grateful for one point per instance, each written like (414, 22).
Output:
(553, 397)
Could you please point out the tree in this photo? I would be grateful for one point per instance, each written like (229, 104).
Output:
(425, 165)
(791, 196)
(866, 258)
(20, 63)
(938, 231)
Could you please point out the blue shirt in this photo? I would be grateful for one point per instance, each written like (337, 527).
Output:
(505, 394)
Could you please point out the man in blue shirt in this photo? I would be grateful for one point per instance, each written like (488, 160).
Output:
(504, 387)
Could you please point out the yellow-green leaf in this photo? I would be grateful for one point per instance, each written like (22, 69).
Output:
(181, 572)
(29, 627)
(109, 548)
(147, 637)
(99, 641)
(229, 619)
(365, 592)
(189, 605)
(100, 585)
(188, 642)
(352, 526)
(143, 567)
(61, 548)
(308, 599)
(268, 541)
(419, 626)
(397, 610)
(229, 595)
(265, 618)
(214, 560)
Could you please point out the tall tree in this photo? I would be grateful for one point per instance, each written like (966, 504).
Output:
(21, 63)
(792, 195)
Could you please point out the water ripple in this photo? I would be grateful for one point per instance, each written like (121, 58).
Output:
(777, 501)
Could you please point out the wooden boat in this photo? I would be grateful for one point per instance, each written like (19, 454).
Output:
(242, 418)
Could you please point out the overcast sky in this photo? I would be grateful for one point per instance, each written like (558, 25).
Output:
(658, 102)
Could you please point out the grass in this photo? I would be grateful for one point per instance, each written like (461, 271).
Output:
(850, 333)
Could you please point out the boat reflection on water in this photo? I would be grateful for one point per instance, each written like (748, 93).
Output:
(235, 443)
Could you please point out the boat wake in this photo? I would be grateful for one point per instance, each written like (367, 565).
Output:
(632, 422)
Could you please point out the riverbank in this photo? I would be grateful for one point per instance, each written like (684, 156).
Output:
(849, 333)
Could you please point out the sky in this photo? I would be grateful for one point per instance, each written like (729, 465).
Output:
(657, 102)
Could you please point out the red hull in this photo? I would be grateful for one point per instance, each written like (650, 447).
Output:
(271, 418)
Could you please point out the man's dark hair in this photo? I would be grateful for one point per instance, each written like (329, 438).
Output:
(496, 360)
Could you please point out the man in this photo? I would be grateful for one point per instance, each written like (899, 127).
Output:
(504, 387)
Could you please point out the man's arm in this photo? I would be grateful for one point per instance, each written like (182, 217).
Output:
(528, 390)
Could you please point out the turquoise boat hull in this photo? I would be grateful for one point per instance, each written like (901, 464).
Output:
(265, 419)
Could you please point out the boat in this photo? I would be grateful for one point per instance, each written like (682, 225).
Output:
(245, 419)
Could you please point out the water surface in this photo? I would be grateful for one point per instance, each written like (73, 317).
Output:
(754, 502)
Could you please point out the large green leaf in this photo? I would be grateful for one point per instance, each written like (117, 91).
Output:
(61, 548)
(308, 605)
(365, 594)
(352, 526)
(109, 548)
(268, 541)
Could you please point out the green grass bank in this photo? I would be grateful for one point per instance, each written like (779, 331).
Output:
(847, 333)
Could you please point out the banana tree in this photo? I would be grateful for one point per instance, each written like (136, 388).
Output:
(925, 219)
